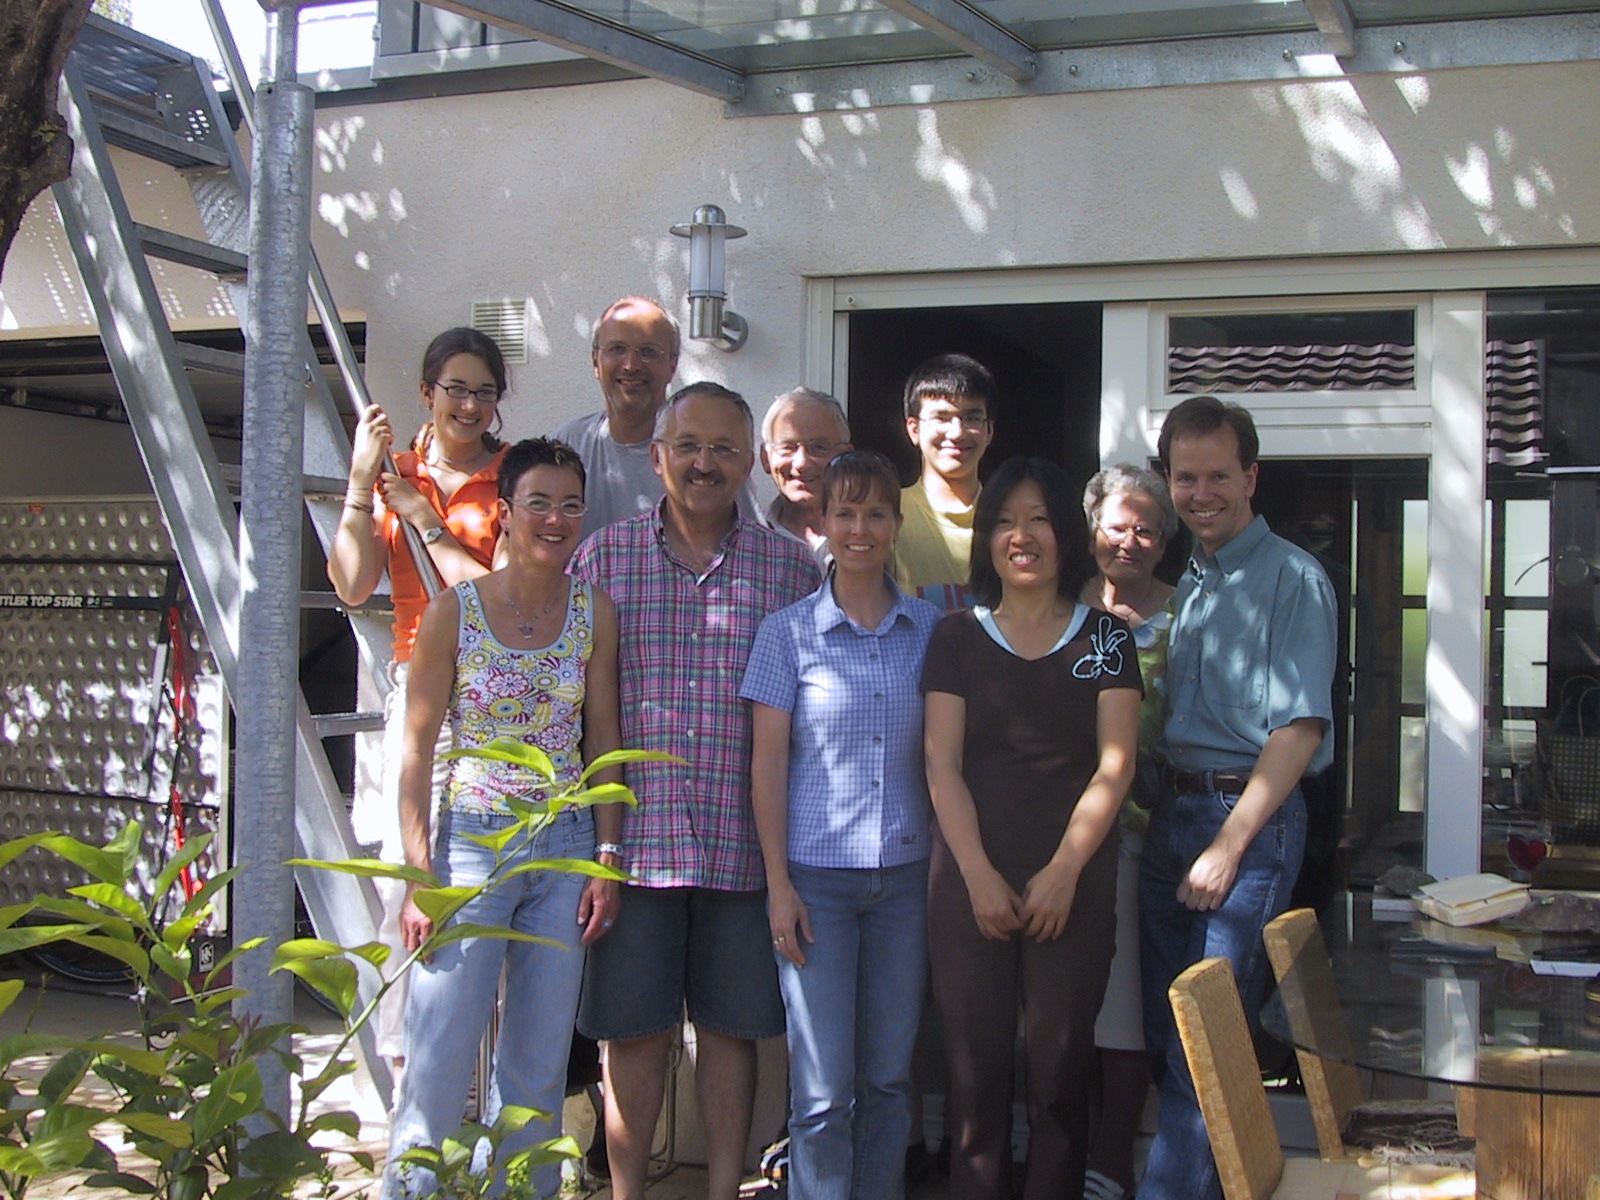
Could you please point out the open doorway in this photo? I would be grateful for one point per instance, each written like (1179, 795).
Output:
(1046, 363)
(1358, 516)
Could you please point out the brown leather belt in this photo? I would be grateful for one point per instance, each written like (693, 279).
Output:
(1189, 783)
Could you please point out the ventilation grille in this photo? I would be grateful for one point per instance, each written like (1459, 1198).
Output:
(506, 321)
(1291, 368)
(1515, 385)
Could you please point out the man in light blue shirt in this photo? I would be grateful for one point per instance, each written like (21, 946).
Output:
(1250, 679)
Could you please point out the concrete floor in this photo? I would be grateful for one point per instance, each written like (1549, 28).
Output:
(63, 1008)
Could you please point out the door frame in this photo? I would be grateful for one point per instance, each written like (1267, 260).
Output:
(1443, 420)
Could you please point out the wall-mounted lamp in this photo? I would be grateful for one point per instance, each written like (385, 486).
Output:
(709, 321)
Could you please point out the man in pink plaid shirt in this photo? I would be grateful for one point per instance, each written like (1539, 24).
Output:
(692, 581)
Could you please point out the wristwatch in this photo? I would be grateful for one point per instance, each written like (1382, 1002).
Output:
(430, 536)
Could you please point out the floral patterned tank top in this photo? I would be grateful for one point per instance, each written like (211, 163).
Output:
(533, 696)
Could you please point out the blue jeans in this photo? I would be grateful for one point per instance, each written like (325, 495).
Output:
(451, 997)
(853, 1011)
(1172, 937)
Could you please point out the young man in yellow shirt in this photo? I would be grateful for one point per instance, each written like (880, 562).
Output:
(949, 407)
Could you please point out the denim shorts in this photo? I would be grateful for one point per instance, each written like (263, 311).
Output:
(674, 947)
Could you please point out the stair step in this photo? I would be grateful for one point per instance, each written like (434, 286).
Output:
(209, 358)
(315, 487)
(340, 724)
(130, 133)
(191, 252)
(378, 602)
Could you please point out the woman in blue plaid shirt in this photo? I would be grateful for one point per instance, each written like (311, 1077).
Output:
(841, 803)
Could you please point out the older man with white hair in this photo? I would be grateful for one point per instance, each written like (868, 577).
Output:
(803, 431)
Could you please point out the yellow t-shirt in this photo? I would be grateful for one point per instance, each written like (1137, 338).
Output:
(932, 556)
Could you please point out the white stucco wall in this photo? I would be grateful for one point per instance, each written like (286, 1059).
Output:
(564, 196)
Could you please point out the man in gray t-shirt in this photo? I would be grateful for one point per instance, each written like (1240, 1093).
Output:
(635, 354)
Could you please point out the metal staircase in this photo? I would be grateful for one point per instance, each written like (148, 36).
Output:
(126, 90)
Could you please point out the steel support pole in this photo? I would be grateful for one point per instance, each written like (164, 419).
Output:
(275, 385)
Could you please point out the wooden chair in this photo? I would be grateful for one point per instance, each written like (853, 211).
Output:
(1347, 1122)
(1244, 1140)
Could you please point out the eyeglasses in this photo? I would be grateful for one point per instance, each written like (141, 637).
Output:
(721, 451)
(972, 422)
(539, 506)
(645, 354)
(460, 391)
(817, 448)
(1141, 534)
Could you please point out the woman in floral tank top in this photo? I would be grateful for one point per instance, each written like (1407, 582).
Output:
(527, 653)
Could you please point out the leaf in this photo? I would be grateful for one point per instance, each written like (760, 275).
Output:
(375, 953)
(126, 846)
(12, 913)
(280, 1155)
(192, 849)
(26, 937)
(304, 948)
(573, 866)
(509, 750)
(174, 965)
(17, 846)
(177, 934)
(617, 758)
(109, 895)
(78, 910)
(554, 1151)
(14, 1160)
(208, 1002)
(499, 840)
(150, 1062)
(440, 904)
(104, 866)
(63, 1076)
(129, 953)
(235, 1094)
(10, 989)
(123, 1182)
(605, 793)
(208, 889)
(334, 1070)
(372, 868)
(233, 955)
(163, 1129)
(346, 1123)
(334, 978)
(451, 934)
(511, 1120)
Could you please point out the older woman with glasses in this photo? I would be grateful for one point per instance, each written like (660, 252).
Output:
(1131, 521)
(444, 488)
(841, 807)
(1031, 723)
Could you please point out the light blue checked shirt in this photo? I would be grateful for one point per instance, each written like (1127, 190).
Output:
(858, 794)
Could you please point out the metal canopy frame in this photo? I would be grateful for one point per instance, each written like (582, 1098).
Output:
(591, 37)
(987, 59)
(1336, 22)
(971, 32)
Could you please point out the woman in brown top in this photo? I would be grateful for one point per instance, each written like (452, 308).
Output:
(1030, 728)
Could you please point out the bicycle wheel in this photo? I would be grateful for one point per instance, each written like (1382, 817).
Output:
(79, 963)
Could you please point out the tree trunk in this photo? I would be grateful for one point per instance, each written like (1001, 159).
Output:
(35, 38)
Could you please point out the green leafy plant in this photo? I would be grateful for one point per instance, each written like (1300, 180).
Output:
(190, 1099)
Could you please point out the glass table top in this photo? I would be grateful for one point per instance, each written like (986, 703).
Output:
(1464, 1006)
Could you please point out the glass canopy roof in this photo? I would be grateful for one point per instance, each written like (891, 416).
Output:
(756, 35)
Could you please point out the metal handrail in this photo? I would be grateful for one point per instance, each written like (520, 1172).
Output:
(344, 354)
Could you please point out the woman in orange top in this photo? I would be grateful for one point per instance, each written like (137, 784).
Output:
(446, 488)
